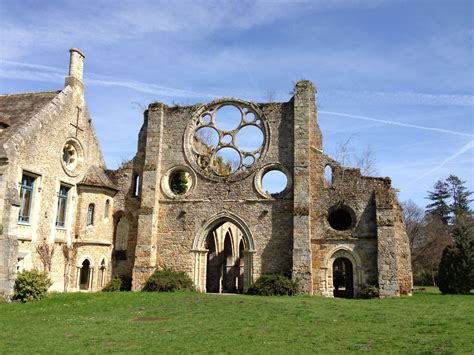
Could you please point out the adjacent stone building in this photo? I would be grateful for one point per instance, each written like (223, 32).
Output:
(199, 196)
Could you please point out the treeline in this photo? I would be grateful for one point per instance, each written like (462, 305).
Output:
(441, 237)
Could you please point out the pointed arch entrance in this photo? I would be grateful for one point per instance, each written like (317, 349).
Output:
(343, 278)
(342, 272)
(223, 255)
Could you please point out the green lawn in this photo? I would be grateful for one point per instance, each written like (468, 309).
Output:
(191, 322)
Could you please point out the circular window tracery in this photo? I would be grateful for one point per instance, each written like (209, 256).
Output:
(72, 157)
(226, 139)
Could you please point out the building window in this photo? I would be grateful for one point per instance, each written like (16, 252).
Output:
(107, 209)
(26, 196)
(90, 214)
(62, 206)
(136, 185)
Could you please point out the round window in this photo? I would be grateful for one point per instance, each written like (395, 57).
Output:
(178, 182)
(273, 181)
(72, 157)
(341, 218)
(226, 139)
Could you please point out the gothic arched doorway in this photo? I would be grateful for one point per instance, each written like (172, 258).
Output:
(343, 278)
(223, 255)
(224, 260)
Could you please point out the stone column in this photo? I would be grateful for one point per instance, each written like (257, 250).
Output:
(146, 248)
(8, 239)
(304, 113)
(248, 269)
(386, 244)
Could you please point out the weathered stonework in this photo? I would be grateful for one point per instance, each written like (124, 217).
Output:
(334, 235)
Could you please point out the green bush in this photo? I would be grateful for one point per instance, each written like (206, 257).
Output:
(168, 281)
(118, 283)
(369, 291)
(113, 285)
(274, 285)
(31, 285)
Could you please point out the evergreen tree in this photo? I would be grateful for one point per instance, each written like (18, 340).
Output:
(456, 269)
(460, 195)
(440, 201)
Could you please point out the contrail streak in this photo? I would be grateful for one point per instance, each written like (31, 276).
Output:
(469, 145)
(440, 130)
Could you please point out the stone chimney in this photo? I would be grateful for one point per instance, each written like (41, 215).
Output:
(76, 64)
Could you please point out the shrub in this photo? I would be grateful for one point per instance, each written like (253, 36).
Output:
(113, 285)
(31, 285)
(369, 291)
(274, 285)
(168, 281)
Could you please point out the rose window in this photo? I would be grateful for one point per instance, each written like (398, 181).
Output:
(72, 157)
(226, 139)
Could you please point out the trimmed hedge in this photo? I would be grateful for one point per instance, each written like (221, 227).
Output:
(168, 281)
(31, 285)
(274, 285)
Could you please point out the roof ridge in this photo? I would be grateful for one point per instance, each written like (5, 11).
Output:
(34, 92)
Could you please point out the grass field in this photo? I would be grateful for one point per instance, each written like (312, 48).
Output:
(192, 322)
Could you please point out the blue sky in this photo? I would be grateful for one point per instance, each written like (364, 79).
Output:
(395, 75)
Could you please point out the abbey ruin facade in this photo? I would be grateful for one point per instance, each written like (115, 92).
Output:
(194, 198)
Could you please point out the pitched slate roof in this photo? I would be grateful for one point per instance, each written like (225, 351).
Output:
(17, 109)
(96, 176)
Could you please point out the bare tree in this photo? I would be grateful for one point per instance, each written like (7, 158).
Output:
(414, 217)
(269, 95)
(69, 253)
(427, 251)
(365, 160)
(45, 252)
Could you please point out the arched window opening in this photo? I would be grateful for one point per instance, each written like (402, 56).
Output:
(102, 273)
(84, 276)
(136, 185)
(343, 278)
(90, 214)
(107, 209)
(229, 270)
(121, 239)
(328, 173)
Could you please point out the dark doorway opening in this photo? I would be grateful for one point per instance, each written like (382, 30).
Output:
(225, 260)
(343, 278)
(84, 275)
